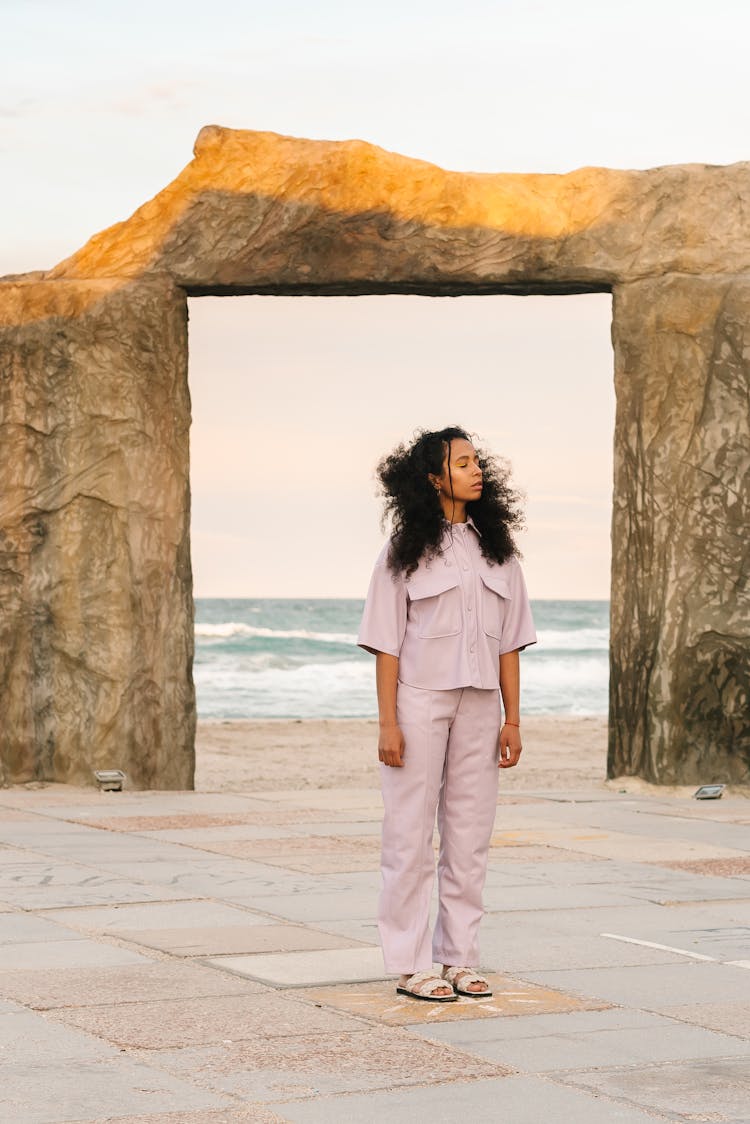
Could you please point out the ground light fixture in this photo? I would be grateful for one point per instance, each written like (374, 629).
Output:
(709, 792)
(110, 780)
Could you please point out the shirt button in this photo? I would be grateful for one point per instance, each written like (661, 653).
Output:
(469, 608)
(472, 648)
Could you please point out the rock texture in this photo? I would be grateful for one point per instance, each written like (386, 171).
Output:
(96, 627)
(95, 585)
(680, 609)
(255, 212)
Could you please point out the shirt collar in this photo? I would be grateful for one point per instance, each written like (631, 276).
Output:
(469, 522)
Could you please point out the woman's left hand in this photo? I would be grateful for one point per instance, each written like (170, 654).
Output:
(509, 747)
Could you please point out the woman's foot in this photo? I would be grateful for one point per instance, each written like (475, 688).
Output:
(466, 981)
(426, 985)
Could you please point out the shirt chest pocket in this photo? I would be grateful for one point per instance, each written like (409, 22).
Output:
(435, 603)
(495, 599)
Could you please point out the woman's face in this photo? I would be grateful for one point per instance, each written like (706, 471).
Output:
(465, 473)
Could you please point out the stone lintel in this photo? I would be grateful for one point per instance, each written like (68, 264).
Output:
(258, 211)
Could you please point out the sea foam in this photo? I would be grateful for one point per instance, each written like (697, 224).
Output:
(266, 658)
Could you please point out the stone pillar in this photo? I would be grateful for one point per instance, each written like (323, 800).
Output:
(96, 629)
(680, 614)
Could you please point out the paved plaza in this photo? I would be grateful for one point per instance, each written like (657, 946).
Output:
(199, 958)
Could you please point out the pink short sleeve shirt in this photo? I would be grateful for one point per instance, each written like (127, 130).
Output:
(450, 621)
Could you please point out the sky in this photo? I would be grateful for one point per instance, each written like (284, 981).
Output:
(295, 399)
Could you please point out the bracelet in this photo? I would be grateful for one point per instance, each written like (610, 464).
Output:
(516, 724)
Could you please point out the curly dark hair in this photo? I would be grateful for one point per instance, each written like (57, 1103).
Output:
(417, 520)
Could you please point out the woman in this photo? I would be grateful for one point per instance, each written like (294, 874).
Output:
(446, 615)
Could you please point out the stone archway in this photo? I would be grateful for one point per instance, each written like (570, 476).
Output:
(96, 631)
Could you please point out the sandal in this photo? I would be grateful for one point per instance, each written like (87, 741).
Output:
(422, 985)
(460, 978)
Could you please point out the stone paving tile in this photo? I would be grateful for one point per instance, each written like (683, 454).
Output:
(537, 945)
(11, 815)
(733, 867)
(316, 855)
(296, 846)
(544, 896)
(25, 928)
(327, 799)
(314, 1065)
(15, 855)
(359, 881)
(651, 987)
(59, 1092)
(178, 1023)
(193, 823)
(510, 875)
(212, 877)
(27, 1037)
(291, 818)
(64, 955)
(515, 827)
(239, 1114)
(607, 792)
(315, 907)
(236, 939)
(535, 942)
(721, 942)
(87, 987)
(54, 1073)
(300, 969)
(679, 887)
(7, 1008)
(515, 1100)
(507, 800)
(46, 884)
(642, 916)
(732, 911)
(381, 1002)
(542, 833)
(65, 801)
(647, 816)
(184, 914)
(342, 863)
(674, 837)
(732, 809)
(718, 1089)
(41, 796)
(585, 1040)
(599, 872)
(540, 853)
(641, 848)
(729, 1018)
(31, 829)
(198, 836)
(363, 930)
(371, 828)
(112, 851)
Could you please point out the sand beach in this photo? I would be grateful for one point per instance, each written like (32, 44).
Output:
(561, 752)
(261, 755)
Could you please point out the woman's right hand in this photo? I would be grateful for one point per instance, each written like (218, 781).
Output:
(391, 746)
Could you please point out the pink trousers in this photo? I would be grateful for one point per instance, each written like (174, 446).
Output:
(450, 766)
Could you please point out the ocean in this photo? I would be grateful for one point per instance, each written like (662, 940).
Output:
(297, 658)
